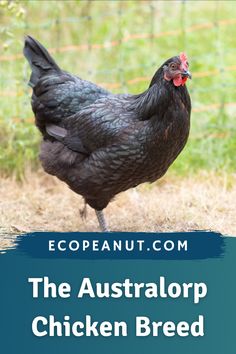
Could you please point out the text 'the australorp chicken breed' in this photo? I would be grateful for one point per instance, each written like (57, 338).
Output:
(99, 143)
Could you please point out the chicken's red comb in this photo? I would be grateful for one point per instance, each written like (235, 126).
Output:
(184, 60)
(183, 57)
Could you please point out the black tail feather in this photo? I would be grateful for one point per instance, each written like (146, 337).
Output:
(39, 59)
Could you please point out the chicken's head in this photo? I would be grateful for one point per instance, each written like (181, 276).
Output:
(176, 69)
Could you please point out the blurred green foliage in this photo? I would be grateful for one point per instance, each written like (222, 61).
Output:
(124, 40)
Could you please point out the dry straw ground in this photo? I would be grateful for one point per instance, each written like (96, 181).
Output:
(42, 202)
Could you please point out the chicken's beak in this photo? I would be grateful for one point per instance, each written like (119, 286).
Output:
(186, 73)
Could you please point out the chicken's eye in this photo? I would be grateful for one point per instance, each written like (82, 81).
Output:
(173, 66)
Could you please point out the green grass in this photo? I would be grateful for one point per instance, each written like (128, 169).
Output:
(212, 142)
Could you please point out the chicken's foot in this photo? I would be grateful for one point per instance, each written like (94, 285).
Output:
(101, 220)
(83, 212)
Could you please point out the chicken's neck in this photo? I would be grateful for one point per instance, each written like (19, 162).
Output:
(158, 98)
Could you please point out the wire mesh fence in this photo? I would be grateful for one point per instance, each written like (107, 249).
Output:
(120, 45)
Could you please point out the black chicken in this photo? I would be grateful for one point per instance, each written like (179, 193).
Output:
(99, 143)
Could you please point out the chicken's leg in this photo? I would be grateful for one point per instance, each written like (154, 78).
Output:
(102, 221)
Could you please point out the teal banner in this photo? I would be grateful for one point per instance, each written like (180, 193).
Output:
(114, 304)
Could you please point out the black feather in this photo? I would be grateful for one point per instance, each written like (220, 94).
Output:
(41, 62)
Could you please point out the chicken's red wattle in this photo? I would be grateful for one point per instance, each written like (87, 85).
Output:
(179, 80)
